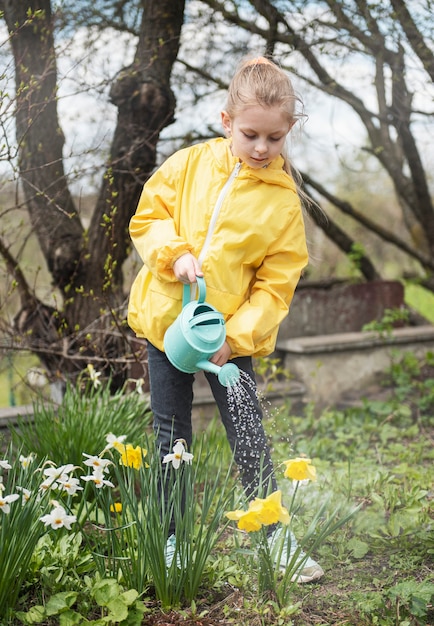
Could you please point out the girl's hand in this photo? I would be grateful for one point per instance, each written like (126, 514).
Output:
(186, 268)
(221, 357)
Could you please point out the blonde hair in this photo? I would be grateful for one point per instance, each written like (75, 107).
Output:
(261, 81)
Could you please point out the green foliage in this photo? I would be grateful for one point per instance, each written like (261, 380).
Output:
(261, 557)
(389, 321)
(420, 299)
(58, 562)
(380, 454)
(411, 598)
(356, 255)
(404, 603)
(114, 604)
(198, 495)
(13, 387)
(20, 528)
(81, 423)
(110, 567)
(270, 371)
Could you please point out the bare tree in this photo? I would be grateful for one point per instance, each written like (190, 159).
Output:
(85, 264)
(320, 42)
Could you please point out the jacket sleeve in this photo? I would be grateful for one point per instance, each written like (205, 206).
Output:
(153, 229)
(257, 321)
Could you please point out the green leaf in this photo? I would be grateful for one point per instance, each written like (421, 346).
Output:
(72, 618)
(106, 591)
(35, 615)
(118, 610)
(129, 596)
(358, 547)
(60, 602)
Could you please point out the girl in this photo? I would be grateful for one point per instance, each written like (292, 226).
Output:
(227, 209)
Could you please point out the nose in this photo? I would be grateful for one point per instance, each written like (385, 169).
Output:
(261, 146)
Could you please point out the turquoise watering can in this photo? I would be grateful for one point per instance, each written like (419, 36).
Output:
(196, 334)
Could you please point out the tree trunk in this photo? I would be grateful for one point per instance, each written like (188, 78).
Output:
(86, 266)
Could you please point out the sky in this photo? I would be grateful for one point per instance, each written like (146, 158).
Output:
(331, 134)
(88, 120)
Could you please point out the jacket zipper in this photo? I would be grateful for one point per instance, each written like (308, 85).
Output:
(216, 211)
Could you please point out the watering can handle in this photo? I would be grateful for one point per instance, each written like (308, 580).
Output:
(209, 316)
(187, 291)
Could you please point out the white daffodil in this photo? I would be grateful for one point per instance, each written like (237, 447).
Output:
(179, 455)
(48, 484)
(26, 460)
(69, 484)
(5, 465)
(97, 462)
(6, 500)
(113, 440)
(98, 480)
(94, 375)
(58, 518)
(36, 377)
(54, 473)
(25, 494)
(139, 386)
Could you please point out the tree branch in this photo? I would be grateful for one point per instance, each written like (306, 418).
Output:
(414, 36)
(386, 235)
(27, 297)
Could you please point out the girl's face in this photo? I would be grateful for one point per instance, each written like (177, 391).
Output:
(258, 133)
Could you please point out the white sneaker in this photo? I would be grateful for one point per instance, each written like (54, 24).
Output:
(288, 554)
(169, 552)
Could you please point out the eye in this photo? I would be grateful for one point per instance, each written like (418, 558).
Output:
(275, 138)
(249, 136)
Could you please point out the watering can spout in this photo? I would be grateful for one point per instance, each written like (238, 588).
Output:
(228, 374)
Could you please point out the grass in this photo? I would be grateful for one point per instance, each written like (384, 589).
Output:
(379, 568)
(420, 300)
(14, 389)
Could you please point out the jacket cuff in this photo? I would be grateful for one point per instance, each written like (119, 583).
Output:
(167, 257)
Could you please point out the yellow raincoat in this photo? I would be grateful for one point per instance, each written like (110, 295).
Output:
(245, 226)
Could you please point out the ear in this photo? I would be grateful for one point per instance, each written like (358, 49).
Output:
(226, 123)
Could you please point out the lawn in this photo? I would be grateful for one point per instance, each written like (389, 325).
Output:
(376, 457)
(14, 386)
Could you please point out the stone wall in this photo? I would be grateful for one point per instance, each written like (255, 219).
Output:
(333, 366)
(325, 309)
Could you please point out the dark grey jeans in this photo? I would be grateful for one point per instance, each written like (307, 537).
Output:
(171, 403)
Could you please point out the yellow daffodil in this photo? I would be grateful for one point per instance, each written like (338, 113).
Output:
(130, 456)
(270, 509)
(261, 512)
(300, 469)
(116, 507)
(247, 520)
